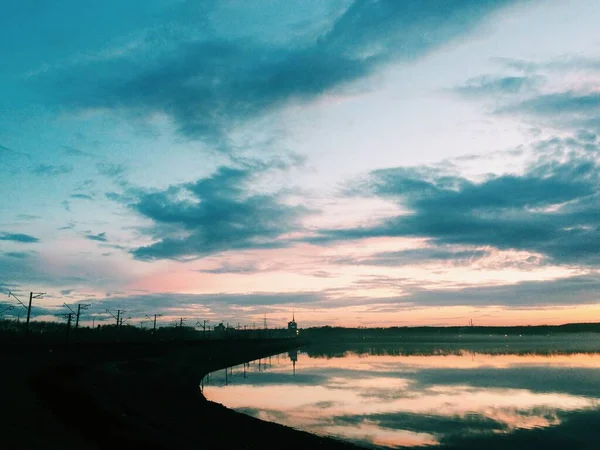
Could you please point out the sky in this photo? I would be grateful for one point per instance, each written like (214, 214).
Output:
(352, 162)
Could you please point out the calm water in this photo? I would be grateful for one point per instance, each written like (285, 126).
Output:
(492, 393)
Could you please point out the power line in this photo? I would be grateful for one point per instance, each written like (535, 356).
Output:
(6, 309)
(154, 320)
(117, 317)
(80, 306)
(32, 295)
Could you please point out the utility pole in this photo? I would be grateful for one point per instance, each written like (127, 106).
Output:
(32, 295)
(69, 325)
(80, 306)
(153, 320)
(69, 317)
(117, 317)
(203, 326)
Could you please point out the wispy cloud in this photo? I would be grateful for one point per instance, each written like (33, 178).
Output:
(18, 237)
(100, 237)
(52, 170)
(498, 85)
(82, 196)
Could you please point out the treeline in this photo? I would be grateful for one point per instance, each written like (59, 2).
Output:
(48, 332)
(12, 331)
(328, 332)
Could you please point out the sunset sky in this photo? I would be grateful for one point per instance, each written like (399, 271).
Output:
(369, 163)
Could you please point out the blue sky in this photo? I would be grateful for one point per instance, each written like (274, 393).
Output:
(372, 162)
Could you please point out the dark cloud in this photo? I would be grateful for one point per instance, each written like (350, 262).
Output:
(573, 431)
(553, 208)
(565, 291)
(582, 289)
(111, 169)
(18, 237)
(69, 226)
(586, 136)
(34, 270)
(567, 63)
(82, 196)
(538, 379)
(423, 423)
(72, 151)
(228, 268)
(194, 305)
(15, 159)
(215, 214)
(19, 255)
(28, 217)
(561, 103)
(100, 237)
(575, 109)
(210, 85)
(52, 170)
(494, 85)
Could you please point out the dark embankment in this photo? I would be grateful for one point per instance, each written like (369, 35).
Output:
(133, 396)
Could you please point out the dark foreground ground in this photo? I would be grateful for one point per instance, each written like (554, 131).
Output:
(133, 396)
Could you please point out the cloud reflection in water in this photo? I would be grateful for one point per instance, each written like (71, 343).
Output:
(416, 400)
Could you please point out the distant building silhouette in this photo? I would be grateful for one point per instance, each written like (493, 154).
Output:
(293, 326)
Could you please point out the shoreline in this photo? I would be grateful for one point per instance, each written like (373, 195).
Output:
(148, 395)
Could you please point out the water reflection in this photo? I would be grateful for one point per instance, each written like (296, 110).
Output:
(443, 397)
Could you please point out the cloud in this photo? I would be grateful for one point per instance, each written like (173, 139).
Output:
(565, 291)
(69, 226)
(417, 256)
(100, 237)
(52, 170)
(553, 208)
(495, 85)
(72, 151)
(228, 268)
(215, 214)
(28, 217)
(19, 255)
(18, 237)
(111, 169)
(82, 196)
(566, 63)
(560, 103)
(207, 305)
(210, 84)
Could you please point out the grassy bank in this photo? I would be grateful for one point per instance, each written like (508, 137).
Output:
(143, 395)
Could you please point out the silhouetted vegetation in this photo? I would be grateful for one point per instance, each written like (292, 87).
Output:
(12, 331)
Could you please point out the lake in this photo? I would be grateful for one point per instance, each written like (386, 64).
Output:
(477, 392)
